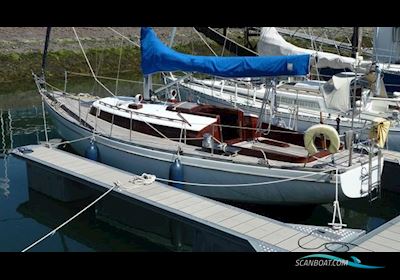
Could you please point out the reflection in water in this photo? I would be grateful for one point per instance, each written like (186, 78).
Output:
(85, 229)
(10, 128)
(18, 127)
(4, 181)
(26, 215)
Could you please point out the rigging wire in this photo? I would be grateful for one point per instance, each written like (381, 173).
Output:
(119, 68)
(230, 40)
(205, 42)
(88, 63)
(125, 37)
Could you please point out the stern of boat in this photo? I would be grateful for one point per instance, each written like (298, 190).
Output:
(362, 179)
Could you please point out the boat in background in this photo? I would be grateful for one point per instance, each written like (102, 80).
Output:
(218, 152)
(385, 63)
(387, 55)
(300, 104)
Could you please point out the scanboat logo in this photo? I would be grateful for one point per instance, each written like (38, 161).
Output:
(328, 260)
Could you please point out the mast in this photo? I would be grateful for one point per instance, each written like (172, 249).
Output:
(359, 42)
(147, 87)
(356, 46)
(44, 58)
(354, 42)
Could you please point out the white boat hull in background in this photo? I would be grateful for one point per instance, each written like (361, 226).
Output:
(196, 93)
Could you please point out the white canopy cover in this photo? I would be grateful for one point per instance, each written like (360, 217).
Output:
(272, 43)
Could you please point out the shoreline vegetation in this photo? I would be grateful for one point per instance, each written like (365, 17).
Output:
(17, 68)
(21, 52)
(106, 56)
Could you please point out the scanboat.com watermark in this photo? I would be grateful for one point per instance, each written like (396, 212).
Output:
(328, 260)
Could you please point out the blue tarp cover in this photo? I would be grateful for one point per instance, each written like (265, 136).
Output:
(157, 57)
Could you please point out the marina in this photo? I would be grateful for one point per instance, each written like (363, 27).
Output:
(370, 224)
(149, 169)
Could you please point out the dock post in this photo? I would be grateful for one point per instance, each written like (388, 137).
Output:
(370, 166)
(65, 81)
(336, 206)
(184, 127)
(44, 122)
(112, 123)
(379, 172)
(95, 122)
(130, 128)
(79, 109)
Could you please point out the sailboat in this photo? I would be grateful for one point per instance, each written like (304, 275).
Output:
(301, 104)
(214, 151)
(387, 55)
(385, 62)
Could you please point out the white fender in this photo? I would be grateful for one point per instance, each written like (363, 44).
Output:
(316, 130)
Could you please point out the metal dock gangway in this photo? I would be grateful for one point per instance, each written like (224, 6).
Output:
(199, 223)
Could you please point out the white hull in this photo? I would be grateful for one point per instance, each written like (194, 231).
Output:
(316, 189)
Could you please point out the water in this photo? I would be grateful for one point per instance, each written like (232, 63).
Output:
(26, 215)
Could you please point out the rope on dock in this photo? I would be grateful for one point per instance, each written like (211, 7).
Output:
(144, 179)
(347, 245)
(117, 184)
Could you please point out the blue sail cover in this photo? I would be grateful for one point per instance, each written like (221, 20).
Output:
(157, 57)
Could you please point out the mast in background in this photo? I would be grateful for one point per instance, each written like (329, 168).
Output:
(44, 58)
(356, 41)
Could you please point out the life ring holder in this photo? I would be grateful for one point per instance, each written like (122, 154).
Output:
(326, 130)
(138, 98)
(173, 93)
(173, 96)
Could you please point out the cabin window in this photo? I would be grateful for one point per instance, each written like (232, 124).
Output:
(93, 110)
(286, 100)
(302, 103)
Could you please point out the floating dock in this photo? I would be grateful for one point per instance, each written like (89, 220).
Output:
(391, 167)
(185, 220)
(385, 238)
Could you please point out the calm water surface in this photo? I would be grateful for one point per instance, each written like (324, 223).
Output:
(26, 215)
